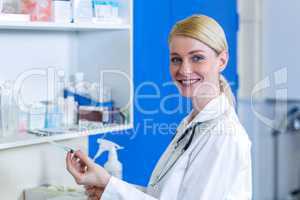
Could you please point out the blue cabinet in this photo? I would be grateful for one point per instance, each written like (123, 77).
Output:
(156, 117)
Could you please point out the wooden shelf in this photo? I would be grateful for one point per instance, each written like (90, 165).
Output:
(26, 139)
(53, 26)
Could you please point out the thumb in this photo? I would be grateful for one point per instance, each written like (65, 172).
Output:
(84, 158)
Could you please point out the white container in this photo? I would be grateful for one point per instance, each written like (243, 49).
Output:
(1, 6)
(70, 113)
(105, 94)
(14, 17)
(62, 11)
(115, 9)
(37, 116)
(102, 9)
(9, 110)
(81, 87)
(82, 10)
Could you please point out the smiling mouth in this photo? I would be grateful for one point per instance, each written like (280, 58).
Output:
(189, 82)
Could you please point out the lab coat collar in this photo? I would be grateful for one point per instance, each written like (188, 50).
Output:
(215, 107)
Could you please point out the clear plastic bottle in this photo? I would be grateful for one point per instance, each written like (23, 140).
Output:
(115, 9)
(60, 84)
(9, 110)
(71, 112)
(81, 86)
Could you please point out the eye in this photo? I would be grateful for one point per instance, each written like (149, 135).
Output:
(176, 60)
(198, 58)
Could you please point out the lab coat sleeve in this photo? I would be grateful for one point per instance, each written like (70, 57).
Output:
(216, 166)
(117, 189)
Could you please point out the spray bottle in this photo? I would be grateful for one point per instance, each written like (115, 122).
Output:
(113, 165)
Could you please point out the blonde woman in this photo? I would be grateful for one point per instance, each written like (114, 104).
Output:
(209, 157)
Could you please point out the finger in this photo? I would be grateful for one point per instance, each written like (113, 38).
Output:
(93, 197)
(88, 187)
(71, 167)
(84, 158)
(79, 165)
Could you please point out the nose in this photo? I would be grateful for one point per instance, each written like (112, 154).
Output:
(186, 68)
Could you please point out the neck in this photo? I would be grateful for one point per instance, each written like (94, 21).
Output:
(199, 103)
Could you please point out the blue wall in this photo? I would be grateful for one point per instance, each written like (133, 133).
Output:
(152, 23)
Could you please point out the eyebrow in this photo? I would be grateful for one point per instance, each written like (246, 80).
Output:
(191, 52)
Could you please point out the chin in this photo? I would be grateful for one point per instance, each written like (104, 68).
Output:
(186, 92)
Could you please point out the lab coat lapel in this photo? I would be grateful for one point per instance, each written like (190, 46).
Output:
(214, 109)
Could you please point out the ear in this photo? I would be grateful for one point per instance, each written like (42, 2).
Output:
(223, 60)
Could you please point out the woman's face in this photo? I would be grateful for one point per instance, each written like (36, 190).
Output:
(195, 67)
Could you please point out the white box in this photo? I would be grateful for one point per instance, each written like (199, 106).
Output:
(82, 10)
(14, 17)
(62, 11)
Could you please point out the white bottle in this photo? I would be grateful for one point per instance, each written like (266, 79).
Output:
(36, 116)
(1, 6)
(9, 109)
(60, 85)
(70, 112)
(113, 165)
(115, 9)
(81, 87)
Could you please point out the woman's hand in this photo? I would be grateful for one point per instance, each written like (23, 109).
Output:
(93, 193)
(85, 171)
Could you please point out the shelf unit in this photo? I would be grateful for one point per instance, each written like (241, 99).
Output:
(29, 53)
(53, 26)
(88, 47)
(25, 139)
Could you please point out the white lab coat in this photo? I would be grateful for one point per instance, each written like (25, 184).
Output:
(216, 166)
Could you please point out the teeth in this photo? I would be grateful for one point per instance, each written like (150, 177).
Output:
(188, 82)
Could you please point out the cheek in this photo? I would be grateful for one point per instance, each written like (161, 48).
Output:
(173, 71)
(206, 68)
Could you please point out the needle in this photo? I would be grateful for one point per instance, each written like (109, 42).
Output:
(66, 148)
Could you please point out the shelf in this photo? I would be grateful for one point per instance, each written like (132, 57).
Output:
(26, 139)
(53, 26)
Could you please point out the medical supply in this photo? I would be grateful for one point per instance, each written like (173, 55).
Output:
(54, 115)
(22, 121)
(54, 192)
(60, 86)
(113, 165)
(105, 94)
(14, 17)
(118, 117)
(37, 116)
(9, 109)
(71, 112)
(10, 6)
(106, 11)
(90, 113)
(60, 146)
(82, 10)
(115, 9)
(126, 113)
(39, 10)
(1, 6)
(81, 87)
(62, 11)
(102, 9)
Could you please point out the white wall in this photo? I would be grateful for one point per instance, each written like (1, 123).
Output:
(268, 42)
(27, 167)
(280, 42)
(249, 46)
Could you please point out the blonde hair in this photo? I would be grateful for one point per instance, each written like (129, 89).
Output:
(208, 31)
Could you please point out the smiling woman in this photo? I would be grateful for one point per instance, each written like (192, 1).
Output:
(199, 52)
(210, 156)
